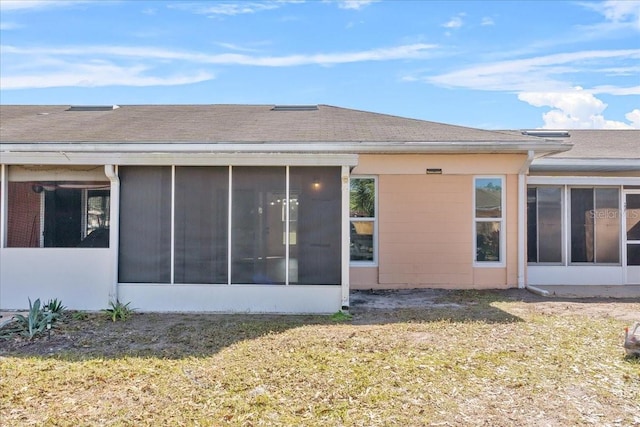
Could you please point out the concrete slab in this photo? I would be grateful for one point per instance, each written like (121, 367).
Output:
(599, 291)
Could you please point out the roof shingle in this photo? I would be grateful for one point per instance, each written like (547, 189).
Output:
(228, 124)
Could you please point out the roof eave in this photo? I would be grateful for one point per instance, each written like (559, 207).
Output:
(540, 148)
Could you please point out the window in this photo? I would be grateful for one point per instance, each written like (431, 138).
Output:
(58, 214)
(362, 208)
(544, 224)
(489, 223)
(595, 225)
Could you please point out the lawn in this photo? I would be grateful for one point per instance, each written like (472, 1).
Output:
(472, 359)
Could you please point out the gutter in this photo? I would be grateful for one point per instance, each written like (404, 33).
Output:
(114, 226)
(522, 217)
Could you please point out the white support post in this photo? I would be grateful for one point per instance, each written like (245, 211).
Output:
(173, 226)
(3, 212)
(345, 238)
(522, 219)
(3, 205)
(229, 223)
(114, 225)
(287, 228)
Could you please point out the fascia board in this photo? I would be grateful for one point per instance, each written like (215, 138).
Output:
(101, 149)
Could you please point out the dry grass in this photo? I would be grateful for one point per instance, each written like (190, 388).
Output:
(486, 362)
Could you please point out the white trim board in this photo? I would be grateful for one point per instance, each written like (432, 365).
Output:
(583, 180)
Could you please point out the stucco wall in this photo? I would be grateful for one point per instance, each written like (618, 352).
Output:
(425, 233)
(425, 222)
(80, 277)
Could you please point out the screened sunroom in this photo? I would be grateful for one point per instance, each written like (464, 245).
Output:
(259, 238)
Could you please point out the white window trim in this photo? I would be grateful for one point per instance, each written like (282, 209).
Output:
(375, 221)
(501, 220)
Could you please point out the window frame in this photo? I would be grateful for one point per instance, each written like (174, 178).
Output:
(374, 219)
(501, 220)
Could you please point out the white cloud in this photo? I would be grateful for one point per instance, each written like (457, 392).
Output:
(238, 8)
(44, 66)
(634, 118)
(621, 13)
(615, 90)
(455, 22)
(7, 26)
(547, 81)
(25, 5)
(354, 4)
(576, 109)
(417, 50)
(487, 21)
(550, 72)
(237, 48)
(98, 74)
(226, 8)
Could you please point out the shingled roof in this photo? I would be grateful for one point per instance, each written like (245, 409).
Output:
(594, 151)
(228, 124)
(603, 144)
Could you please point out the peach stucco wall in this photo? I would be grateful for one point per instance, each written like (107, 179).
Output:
(425, 222)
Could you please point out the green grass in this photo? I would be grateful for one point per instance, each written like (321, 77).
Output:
(411, 367)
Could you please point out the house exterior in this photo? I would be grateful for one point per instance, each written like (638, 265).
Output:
(261, 208)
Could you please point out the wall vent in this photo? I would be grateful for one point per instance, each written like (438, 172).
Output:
(93, 107)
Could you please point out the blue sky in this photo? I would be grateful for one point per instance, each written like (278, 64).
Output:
(486, 64)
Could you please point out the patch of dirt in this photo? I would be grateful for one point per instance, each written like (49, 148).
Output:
(624, 309)
(174, 334)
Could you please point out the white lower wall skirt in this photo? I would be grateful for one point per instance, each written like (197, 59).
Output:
(292, 299)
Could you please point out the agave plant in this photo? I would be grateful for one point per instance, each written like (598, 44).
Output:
(36, 321)
(55, 306)
(119, 311)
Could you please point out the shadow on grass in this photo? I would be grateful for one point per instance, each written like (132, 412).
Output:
(174, 335)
